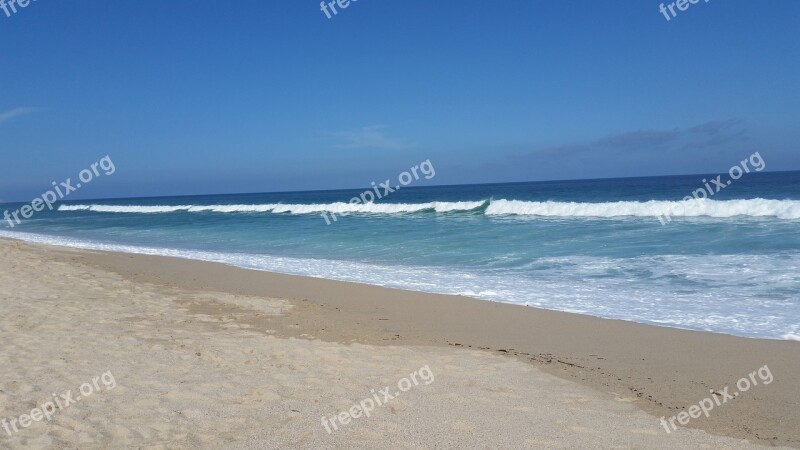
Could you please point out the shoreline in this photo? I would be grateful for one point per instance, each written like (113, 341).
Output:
(660, 370)
(213, 258)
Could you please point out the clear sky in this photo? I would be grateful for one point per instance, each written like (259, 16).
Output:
(192, 97)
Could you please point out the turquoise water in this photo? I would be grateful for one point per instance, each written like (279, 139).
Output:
(728, 264)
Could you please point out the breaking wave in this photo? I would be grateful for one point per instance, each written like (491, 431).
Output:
(278, 208)
(758, 207)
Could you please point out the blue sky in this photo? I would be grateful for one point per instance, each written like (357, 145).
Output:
(191, 97)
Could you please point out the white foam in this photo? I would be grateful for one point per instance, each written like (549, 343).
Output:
(682, 291)
(278, 208)
(377, 208)
(124, 209)
(758, 207)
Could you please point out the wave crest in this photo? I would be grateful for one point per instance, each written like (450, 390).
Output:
(758, 207)
(278, 208)
(781, 209)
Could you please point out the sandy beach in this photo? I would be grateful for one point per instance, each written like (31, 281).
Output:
(385, 225)
(204, 355)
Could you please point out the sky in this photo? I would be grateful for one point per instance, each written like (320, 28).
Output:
(201, 97)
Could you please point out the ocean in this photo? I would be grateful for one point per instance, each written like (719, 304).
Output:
(727, 264)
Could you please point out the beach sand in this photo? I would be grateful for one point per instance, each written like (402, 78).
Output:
(210, 356)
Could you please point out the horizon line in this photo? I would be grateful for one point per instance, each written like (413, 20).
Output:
(404, 187)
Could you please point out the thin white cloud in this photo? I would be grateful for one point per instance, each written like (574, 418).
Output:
(16, 112)
(369, 137)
